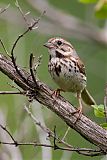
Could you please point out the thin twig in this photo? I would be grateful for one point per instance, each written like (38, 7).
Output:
(17, 69)
(4, 9)
(4, 128)
(4, 47)
(29, 28)
(45, 129)
(31, 68)
(55, 146)
(84, 151)
(66, 133)
(23, 15)
(12, 92)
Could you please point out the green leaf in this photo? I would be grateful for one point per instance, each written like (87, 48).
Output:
(102, 13)
(99, 110)
(104, 125)
(88, 1)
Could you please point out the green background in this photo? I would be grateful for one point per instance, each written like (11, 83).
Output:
(93, 54)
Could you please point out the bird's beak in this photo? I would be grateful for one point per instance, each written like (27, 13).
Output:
(48, 45)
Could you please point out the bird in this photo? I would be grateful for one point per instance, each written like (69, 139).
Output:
(68, 71)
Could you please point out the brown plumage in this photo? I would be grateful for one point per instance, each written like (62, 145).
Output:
(67, 70)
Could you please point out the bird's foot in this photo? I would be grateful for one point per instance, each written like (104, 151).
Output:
(65, 133)
(79, 111)
(56, 92)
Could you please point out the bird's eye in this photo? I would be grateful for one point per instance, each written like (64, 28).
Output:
(59, 43)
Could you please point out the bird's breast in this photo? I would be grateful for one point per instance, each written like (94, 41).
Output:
(66, 74)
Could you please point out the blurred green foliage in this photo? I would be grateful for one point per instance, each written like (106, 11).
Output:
(100, 7)
(88, 1)
(92, 53)
(99, 110)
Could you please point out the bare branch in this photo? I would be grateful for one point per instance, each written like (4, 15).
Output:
(88, 129)
(83, 151)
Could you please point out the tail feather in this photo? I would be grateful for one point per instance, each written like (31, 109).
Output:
(87, 98)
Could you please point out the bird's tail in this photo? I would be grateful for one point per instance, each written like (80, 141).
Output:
(87, 98)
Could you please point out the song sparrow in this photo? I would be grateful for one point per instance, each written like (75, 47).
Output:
(67, 70)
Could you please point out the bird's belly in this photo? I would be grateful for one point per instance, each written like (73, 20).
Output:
(70, 83)
(68, 78)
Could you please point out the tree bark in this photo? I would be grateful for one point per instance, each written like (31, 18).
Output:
(43, 94)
